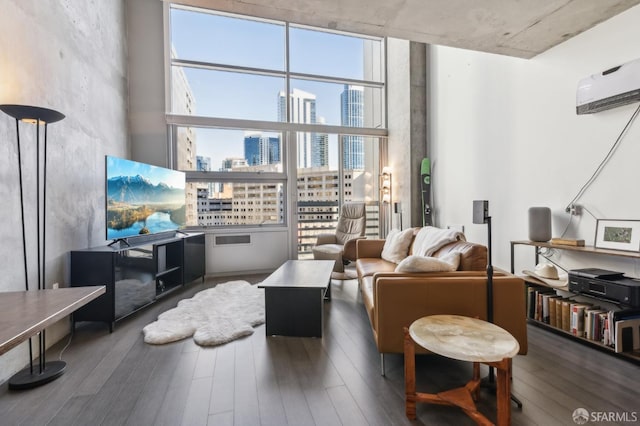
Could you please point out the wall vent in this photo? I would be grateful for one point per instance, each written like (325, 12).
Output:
(222, 240)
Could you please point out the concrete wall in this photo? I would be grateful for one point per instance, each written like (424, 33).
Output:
(407, 103)
(69, 56)
(505, 130)
(145, 41)
(399, 125)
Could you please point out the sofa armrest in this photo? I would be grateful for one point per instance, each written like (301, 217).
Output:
(326, 239)
(369, 248)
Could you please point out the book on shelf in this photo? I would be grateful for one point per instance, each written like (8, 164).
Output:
(552, 311)
(627, 335)
(566, 315)
(547, 301)
(558, 303)
(591, 324)
(577, 318)
(567, 242)
(538, 303)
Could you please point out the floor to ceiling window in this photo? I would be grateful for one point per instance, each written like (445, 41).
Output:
(266, 115)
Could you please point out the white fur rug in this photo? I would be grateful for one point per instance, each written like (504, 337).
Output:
(213, 316)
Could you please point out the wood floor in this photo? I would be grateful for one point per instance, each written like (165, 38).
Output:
(117, 379)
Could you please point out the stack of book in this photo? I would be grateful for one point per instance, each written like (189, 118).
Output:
(618, 328)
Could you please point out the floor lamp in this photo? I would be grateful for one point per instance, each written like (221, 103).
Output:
(481, 216)
(46, 372)
(385, 196)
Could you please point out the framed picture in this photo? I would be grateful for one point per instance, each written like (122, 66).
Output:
(618, 234)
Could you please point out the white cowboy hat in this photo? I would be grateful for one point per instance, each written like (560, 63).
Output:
(548, 274)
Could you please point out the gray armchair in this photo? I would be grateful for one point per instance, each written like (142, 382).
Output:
(341, 245)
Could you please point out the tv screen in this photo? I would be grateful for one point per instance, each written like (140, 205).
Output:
(142, 199)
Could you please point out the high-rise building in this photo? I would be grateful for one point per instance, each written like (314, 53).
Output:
(352, 115)
(203, 164)
(183, 102)
(259, 149)
(230, 163)
(302, 109)
(320, 148)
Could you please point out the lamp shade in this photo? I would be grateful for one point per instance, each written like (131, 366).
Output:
(32, 113)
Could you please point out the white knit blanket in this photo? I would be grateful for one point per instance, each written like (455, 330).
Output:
(431, 239)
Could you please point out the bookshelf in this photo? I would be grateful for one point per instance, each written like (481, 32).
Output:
(540, 288)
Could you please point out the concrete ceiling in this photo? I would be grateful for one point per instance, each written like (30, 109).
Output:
(520, 28)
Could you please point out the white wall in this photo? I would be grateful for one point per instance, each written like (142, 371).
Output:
(266, 251)
(505, 130)
(68, 56)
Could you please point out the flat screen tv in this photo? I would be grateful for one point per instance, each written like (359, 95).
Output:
(142, 199)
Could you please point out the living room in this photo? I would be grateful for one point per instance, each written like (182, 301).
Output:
(500, 128)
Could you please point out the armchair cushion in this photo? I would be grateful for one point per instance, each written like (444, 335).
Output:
(446, 263)
(352, 222)
(396, 246)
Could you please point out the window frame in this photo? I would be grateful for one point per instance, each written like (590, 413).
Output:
(288, 176)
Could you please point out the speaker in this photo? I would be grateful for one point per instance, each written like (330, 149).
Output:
(397, 207)
(539, 224)
(480, 211)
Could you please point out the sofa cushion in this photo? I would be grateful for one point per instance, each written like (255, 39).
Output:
(370, 265)
(396, 246)
(446, 263)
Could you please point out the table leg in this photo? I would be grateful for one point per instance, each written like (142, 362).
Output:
(503, 392)
(409, 375)
(476, 378)
(327, 293)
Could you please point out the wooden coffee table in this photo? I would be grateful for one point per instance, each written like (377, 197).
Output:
(465, 339)
(294, 295)
(26, 313)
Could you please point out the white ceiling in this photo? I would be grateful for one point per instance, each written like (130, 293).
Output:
(520, 28)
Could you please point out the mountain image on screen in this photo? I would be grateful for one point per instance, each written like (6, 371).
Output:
(137, 205)
(137, 190)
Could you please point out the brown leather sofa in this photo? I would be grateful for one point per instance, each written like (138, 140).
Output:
(394, 300)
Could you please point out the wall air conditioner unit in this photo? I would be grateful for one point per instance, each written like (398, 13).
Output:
(612, 88)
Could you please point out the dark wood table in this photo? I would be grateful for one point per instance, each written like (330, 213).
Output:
(26, 313)
(294, 296)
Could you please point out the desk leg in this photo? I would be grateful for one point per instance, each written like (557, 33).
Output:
(409, 375)
(46, 372)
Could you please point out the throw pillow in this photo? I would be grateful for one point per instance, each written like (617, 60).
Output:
(447, 263)
(396, 246)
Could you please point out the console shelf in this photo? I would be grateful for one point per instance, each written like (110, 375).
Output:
(135, 275)
(532, 282)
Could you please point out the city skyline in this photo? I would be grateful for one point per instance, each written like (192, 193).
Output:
(259, 148)
(259, 44)
(313, 148)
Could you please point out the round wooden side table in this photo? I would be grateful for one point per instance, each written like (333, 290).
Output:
(464, 339)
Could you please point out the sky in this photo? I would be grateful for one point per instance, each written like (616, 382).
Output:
(210, 38)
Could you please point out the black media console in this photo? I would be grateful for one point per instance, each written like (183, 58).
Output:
(135, 275)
